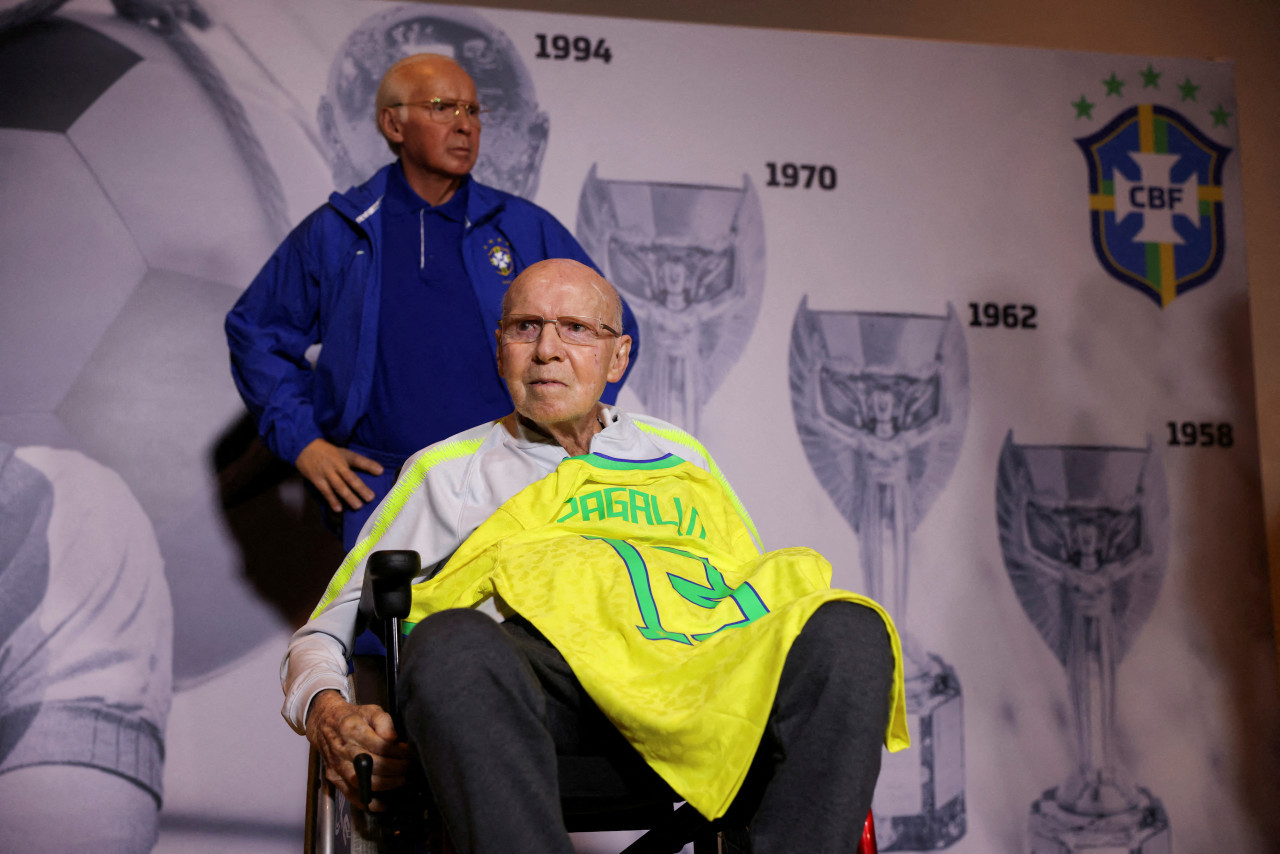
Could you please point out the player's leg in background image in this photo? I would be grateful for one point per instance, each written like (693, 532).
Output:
(86, 634)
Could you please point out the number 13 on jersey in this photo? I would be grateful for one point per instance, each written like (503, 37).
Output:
(707, 595)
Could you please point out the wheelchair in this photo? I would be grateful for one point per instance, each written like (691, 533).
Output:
(594, 796)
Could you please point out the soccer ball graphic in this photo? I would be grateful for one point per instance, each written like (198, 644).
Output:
(135, 211)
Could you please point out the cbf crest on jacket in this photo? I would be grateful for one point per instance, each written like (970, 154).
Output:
(646, 576)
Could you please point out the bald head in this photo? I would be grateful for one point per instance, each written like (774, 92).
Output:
(411, 74)
(400, 77)
(553, 382)
(553, 270)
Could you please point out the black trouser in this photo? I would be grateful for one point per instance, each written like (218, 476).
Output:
(488, 707)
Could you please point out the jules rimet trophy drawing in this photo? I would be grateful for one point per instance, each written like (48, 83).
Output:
(690, 261)
(880, 403)
(1085, 537)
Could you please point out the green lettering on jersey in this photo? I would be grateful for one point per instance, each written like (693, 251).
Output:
(596, 502)
(679, 522)
(641, 506)
(617, 509)
(573, 509)
(635, 506)
(693, 517)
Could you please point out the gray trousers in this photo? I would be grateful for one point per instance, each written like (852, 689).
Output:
(488, 708)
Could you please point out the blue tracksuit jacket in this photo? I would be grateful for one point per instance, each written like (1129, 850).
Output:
(323, 285)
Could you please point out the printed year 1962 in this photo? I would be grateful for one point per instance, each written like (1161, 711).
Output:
(1009, 315)
(577, 48)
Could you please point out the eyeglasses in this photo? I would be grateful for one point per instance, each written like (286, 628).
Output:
(443, 112)
(527, 328)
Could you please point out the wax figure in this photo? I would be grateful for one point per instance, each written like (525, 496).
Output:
(638, 604)
(86, 633)
(399, 280)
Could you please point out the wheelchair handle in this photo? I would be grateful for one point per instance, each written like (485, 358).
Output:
(364, 777)
(392, 571)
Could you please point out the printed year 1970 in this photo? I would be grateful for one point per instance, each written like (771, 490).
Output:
(802, 175)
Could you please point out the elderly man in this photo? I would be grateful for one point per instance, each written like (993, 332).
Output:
(638, 603)
(398, 279)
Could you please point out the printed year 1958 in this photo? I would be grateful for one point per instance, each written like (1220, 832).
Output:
(1205, 434)
(577, 48)
(801, 175)
(1009, 315)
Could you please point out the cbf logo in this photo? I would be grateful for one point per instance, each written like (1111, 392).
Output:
(1155, 200)
(499, 254)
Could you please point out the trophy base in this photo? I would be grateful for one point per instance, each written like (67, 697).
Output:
(1140, 829)
(919, 799)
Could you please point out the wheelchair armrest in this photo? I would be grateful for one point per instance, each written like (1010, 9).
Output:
(387, 593)
(390, 574)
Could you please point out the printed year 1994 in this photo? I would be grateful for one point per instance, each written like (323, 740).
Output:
(577, 48)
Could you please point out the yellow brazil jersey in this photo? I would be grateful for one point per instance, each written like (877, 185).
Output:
(646, 577)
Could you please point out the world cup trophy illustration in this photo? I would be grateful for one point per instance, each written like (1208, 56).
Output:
(689, 259)
(880, 403)
(1085, 536)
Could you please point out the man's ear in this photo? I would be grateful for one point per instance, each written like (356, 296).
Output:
(621, 357)
(389, 124)
(497, 334)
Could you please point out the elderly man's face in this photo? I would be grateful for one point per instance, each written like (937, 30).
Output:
(552, 382)
(447, 149)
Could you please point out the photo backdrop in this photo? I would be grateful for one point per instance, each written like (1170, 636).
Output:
(972, 321)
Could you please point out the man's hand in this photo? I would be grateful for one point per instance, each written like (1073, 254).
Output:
(332, 471)
(340, 732)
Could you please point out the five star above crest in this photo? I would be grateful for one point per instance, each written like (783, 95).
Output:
(1187, 90)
